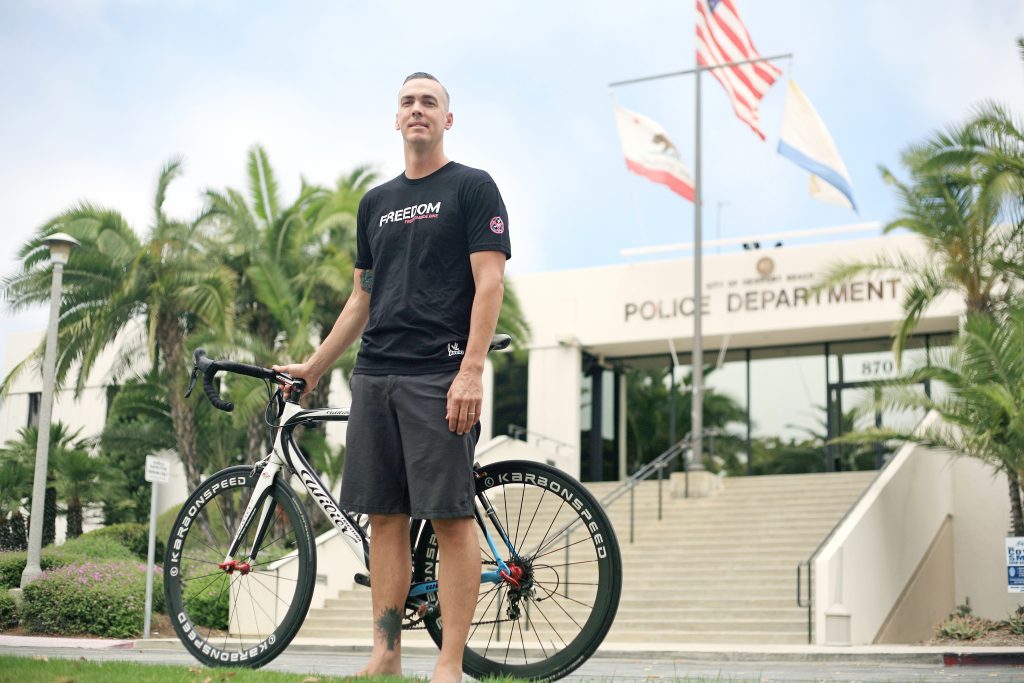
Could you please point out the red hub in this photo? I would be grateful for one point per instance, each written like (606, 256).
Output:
(513, 575)
(232, 565)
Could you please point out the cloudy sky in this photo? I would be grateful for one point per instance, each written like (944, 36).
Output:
(97, 94)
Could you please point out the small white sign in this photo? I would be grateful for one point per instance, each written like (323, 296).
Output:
(158, 470)
(1015, 564)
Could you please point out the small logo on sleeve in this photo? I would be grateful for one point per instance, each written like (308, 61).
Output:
(497, 225)
(455, 350)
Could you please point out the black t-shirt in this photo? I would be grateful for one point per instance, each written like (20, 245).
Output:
(416, 237)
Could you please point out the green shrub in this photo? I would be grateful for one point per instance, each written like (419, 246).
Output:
(12, 564)
(132, 535)
(207, 602)
(1015, 622)
(964, 627)
(86, 547)
(101, 598)
(9, 616)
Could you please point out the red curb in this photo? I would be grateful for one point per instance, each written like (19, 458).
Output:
(983, 659)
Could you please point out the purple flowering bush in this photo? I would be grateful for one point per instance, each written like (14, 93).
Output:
(102, 598)
(85, 547)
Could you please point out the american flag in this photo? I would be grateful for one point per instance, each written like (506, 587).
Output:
(722, 38)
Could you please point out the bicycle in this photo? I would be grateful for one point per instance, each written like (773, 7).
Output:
(232, 604)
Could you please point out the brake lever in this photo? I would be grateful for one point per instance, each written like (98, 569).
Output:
(192, 380)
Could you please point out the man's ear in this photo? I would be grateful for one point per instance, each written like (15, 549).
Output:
(397, 127)
(448, 120)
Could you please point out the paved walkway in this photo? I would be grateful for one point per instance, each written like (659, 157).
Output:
(650, 662)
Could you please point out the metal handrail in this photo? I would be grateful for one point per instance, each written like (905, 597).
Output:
(656, 466)
(809, 562)
(521, 434)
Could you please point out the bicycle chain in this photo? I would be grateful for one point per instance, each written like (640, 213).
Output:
(417, 627)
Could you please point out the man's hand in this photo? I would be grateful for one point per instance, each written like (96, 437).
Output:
(465, 398)
(298, 371)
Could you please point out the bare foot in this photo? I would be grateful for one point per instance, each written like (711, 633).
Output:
(386, 665)
(446, 673)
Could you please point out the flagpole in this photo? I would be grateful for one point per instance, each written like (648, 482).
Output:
(697, 388)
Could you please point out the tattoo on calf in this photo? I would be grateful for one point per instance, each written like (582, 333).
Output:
(390, 626)
(366, 281)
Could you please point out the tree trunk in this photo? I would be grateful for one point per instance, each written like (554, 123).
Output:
(1016, 512)
(74, 518)
(49, 516)
(172, 347)
(5, 534)
(19, 538)
(256, 445)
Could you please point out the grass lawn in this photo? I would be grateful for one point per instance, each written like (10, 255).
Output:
(41, 670)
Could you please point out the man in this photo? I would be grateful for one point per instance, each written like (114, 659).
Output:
(431, 251)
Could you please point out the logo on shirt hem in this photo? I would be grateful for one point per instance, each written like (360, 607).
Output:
(455, 350)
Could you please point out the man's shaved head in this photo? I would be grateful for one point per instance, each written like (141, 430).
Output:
(430, 77)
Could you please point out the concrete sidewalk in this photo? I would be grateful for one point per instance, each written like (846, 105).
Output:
(893, 654)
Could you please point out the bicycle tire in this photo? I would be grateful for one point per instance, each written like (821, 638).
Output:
(245, 619)
(566, 611)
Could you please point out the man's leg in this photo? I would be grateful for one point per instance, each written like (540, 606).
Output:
(390, 574)
(459, 586)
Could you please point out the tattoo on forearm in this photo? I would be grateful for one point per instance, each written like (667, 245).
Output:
(366, 280)
(390, 626)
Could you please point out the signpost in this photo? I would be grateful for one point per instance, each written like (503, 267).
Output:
(158, 471)
(1015, 564)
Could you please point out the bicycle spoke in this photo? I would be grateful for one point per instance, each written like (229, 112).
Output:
(536, 635)
(543, 539)
(495, 624)
(232, 611)
(553, 629)
(255, 620)
(276, 595)
(540, 499)
(566, 612)
(496, 594)
(220, 595)
(483, 595)
(564, 547)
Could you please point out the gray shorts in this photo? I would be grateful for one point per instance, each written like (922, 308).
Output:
(400, 457)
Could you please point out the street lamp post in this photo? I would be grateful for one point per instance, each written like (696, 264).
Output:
(60, 245)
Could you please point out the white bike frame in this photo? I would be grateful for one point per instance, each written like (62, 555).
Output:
(284, 456)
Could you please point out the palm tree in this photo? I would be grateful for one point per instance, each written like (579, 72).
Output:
(648, 395)
(983, 411)
(80, 480)
(164, 284)
(286, 265)
(15, 487)
(959, 219)
(965, 199)
(66, 451)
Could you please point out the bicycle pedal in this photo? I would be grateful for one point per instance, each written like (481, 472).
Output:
(362, 579)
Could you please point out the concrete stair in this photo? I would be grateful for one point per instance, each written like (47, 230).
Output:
(712, 570)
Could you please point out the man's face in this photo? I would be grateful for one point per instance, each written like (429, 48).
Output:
(423, 114)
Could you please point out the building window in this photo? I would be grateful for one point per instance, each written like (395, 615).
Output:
(510, 392)
(34, 399)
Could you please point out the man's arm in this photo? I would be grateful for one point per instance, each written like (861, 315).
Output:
(465, 396)
(347, 328)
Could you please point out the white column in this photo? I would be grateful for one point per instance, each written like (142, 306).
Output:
(487, 411)
(553, 404)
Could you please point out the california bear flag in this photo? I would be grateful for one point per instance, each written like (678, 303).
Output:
(650, 153)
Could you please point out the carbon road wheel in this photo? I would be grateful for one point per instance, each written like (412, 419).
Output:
(566, 583)
(232, 613)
